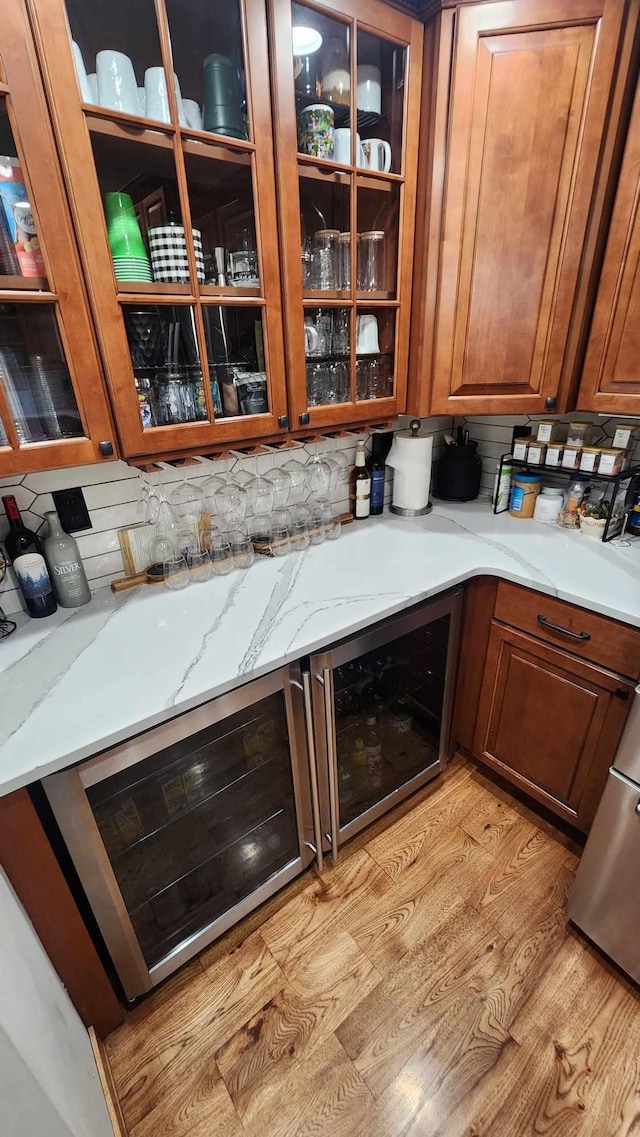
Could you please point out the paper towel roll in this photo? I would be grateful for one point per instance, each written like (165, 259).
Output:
(410, 458)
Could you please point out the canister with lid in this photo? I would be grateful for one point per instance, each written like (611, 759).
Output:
(577, 434)
(555, 450)
(548, 505)
(524, 491)
(612, 461)
(571, 457)
(589, 458)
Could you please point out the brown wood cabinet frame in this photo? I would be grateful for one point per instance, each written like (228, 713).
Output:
(29, 117)
(73, 131)
(378, 19)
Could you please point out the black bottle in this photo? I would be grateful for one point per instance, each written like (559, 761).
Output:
(25, 553)
(377, 469)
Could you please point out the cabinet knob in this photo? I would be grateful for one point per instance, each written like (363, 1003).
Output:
(620, 693)
(550, 404)
(283, 421)
(304, 418)
(106, 449)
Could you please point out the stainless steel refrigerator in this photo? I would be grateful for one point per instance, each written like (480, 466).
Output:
(382, 703)
(179, 833)
(605, 901)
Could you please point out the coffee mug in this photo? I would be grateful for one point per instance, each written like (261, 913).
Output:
(117, 85)
(369, 88)
(342, 148)
(367, 335)
(83, 78)
(316, 133)
(93, 87)
(377, 154)
(193, 113)
(142, 99)
(157, 98)
(310, 339)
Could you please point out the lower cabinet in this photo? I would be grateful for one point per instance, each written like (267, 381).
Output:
(549, 722)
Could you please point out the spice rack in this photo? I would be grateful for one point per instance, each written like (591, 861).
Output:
(615, 525)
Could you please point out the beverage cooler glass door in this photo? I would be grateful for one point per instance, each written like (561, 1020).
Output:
(181, 832)
(382, 711)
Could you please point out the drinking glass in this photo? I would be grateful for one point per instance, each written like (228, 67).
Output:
(260, 533)
(299, 529)
(341, 344)
(332, 527)
(231, 503)
(241, 549)
(200, 567)
(176, 573)
(318, 476)
(210, 487)
(281, 481)
(280, 536)
(344, 261)
(187, 542)
(318, 508)
(163, 549)
(371, 261)
(362, 379)
(324, 261)
(220, 554)
(297, 472)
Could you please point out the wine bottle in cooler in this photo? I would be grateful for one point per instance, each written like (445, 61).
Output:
(24, 549)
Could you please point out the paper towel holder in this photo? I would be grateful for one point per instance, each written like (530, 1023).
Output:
(401, 511)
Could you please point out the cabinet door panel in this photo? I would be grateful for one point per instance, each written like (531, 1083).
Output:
(527, 111)
(611, 377)
(548, 722)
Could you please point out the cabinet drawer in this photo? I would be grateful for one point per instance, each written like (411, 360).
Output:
(583, 633)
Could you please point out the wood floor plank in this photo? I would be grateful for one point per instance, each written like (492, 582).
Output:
(429, 985)
(262, 1057)
(353, 886)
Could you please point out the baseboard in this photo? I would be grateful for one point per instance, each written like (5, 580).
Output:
(108, 1086)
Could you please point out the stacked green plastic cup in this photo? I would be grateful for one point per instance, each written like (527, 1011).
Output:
(130, 260)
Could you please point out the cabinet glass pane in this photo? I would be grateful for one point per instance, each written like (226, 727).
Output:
(388, 706)
(327, 337)
(34, 374)
(222, 211)
(118, 61)
(4, 441)
(142, 210)
(375, 354)
(235, 350)
(20, 252)
(380, 100)
(325, 235)
(166, 363)
(198, 826)
(208, 56)
(378, 228)
(322, 79)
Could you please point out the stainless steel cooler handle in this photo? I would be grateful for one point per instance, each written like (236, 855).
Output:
(332, 759)
(313, 770)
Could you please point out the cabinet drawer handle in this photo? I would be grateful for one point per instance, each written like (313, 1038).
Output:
(563, 631)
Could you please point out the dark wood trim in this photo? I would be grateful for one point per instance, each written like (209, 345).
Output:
(34, 872)
(477, 613)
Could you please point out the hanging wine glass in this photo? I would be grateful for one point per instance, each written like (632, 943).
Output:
(231, 504)
(261, 494)
(281, 482)
(297, 472)
(318, 476)
(187, 502)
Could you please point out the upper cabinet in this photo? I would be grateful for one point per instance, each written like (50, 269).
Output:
(611, 376)
(504, 224)
(346, 106)
(53, 406)
(163, 114)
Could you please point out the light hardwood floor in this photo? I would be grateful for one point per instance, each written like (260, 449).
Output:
(427, 986)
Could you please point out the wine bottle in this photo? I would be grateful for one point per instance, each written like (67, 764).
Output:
(25, 553)
(377, 469)
(65, 565)
(360, 485)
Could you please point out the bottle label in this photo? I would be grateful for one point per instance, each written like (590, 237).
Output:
(363, 497)
(32, 575)
(377, 487)
(69, 580)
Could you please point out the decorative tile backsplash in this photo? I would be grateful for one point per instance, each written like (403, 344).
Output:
(112, 494)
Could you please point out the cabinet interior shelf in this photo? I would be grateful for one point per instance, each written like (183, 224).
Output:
(325, 170)
(623, 476)
(117, 124)
(25, 284)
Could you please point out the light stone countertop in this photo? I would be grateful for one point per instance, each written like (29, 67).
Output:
(85, 679)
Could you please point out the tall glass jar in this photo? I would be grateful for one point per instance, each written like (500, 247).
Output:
(371, 261)
(325, 259)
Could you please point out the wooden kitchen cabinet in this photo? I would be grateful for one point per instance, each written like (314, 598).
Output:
(53, 403)
(195, 356)
(549, 722)
(503, 244)
(347, 330)
(611, 375)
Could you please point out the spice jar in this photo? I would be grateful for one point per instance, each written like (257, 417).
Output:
(571, 457)
(371, 261)
(524, 491)
(545, 431)
(536, 453)
(623, 435)
(589, 458)
(555, 450)
(521, 446)
(578, 434)
(612, 461)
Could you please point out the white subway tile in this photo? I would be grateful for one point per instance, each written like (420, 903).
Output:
(44, 481)
(103, 565)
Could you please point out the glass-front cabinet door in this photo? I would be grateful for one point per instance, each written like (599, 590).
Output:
(164, 117)
(53, 405)
(347, 84)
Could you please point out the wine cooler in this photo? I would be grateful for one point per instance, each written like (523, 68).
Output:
(382, 705)
(179, 833)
